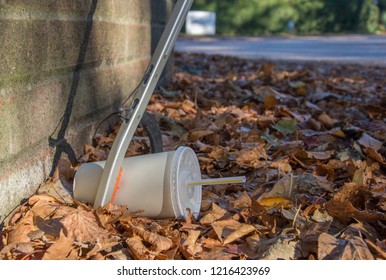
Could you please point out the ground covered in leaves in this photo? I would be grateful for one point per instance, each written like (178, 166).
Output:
(309, 137)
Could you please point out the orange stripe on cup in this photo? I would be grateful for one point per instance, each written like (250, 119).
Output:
(116, 187)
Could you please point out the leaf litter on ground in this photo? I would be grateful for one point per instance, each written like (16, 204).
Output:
(309, 137)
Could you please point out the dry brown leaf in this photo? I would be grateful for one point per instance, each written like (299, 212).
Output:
(188, 106)
(19, 233)
(83, 226)
(326, 120)
(198, 134)
(321, 217)
(375, 155)
(110, 213)
(360, 229)
(240, 232)
(217, 253)
(344, 206)
(138, 249)
(224, 228)
(338, 133)
(378, 251)
(356, 249)
(266, 121)
(369, 142)
(190, 246)
(17, 250)
(230, 230)
(209, 243)
(327, 247)
(275, 202)
(330, 248)
(62, 249)
(214, 214)
(159, 243)
(352, 192)
(270, 102)
(122, 254)
(243, 201)
(42, 197)
(344, 211)
(51, 210)
(321, 155)
(98, 247)
(59, 189)
(285, 187)
(49, 228)
(283, 165)
(284, 247)
(251, 158)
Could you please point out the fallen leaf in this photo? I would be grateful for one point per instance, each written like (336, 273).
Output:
(330, 248)
(322, 155)
(344, 211)
(20, 232)
(285, 188)
(243, 201)
(138, 249)
(286, 126)
(217, 253)
(321, 217)
(270, 102)
(98, 247)
(375, 155)
(159, 243)
(83, 226)
(374, 247)
(275, 202)
(59, 189)
(230, 230)
(369, 142)
(190, 246)
(326, 120)
(359, 229)
(198, 134)
(17, 250)
(356, 249)
(297, 84)
(214, 214)
(62, 249)
(110, 213)
(251, 158)
(241, 231)
(281, 248)
(327, 247)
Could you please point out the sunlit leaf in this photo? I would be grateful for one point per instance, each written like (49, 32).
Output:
(83, 226)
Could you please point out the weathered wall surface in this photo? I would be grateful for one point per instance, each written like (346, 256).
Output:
(65, 65)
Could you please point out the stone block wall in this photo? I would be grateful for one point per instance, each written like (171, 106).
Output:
(65, 65)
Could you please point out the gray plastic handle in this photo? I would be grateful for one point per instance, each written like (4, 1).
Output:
(140, 101)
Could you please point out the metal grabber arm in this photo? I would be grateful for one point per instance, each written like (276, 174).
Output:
(133, 114)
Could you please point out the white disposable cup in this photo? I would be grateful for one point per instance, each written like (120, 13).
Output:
(153, 183)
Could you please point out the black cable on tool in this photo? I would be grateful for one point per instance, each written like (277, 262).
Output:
(105, 119)
(120, 111)
(131, 94)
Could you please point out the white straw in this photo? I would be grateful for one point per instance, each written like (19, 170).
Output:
(218, 181)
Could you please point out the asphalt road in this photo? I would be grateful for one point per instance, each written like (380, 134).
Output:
(349, 49)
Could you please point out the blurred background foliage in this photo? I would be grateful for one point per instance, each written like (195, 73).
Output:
(264, 17)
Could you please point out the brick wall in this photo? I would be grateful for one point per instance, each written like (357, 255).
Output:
(65, 65)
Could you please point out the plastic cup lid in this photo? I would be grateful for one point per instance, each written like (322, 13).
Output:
(185, 167)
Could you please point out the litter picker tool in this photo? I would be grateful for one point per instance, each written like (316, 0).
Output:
(132, 115)
(163, 185)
